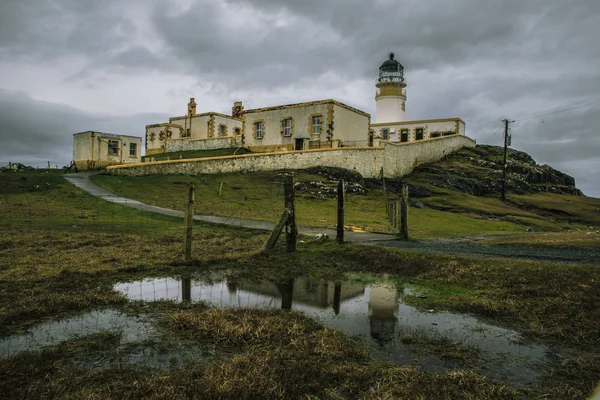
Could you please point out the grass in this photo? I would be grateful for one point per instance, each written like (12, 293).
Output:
(196, 154)
(443, 347)
(259, 196)
(580, 239)
(54, 263)
(322, 364)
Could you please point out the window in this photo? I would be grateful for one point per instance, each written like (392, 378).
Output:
(259, 129)
(434, 134)
(316, 125)
(449, 133)
(419, 134)
(287, 127)
(404, 135)
(222, 130)
(133, 149)
(113, 147)
(237, 131)
(385, 133)
(187, 132)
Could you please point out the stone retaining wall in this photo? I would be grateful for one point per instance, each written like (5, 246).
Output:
(396, 160)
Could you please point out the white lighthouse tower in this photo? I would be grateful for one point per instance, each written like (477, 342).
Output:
(391, 95)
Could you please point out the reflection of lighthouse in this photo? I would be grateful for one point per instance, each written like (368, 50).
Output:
(383, 303)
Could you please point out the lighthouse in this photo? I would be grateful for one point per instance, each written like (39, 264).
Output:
(391, 95)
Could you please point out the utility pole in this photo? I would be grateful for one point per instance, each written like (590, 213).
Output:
(506, 122)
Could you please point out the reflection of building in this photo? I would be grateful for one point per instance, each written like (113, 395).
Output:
(383, 304)
(306, 291)
(97, 149)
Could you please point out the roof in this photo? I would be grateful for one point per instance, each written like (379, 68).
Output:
(391, 65)
(420, 121)
(307, 104)
(108, 134)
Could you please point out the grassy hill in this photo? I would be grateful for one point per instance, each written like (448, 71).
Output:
(62, 251)
(455, 197)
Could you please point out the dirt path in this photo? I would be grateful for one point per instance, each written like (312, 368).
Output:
(464, 246)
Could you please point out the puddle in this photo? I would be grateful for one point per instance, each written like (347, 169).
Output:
(373, 312)
(139, 343)
(52, 333)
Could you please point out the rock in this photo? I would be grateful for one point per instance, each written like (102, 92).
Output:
(335, 174)
(416, 204)
(478, 171)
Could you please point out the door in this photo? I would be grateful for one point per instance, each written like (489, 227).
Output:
(299, 144)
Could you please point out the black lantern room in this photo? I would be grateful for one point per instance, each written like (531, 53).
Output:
(391, 71)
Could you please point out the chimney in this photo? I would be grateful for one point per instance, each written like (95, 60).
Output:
(238, 110)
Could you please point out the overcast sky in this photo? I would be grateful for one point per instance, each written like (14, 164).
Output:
(116, 66)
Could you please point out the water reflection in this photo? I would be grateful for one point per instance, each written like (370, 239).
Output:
(383, 303)
(374, 312)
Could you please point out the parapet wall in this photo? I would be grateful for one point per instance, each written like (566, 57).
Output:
(396, 160)
(199, 144)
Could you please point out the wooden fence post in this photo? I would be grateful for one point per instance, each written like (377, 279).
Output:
(274, 235)
(291, 231)
(341, 188)
(404, 212)
(397, 216)
(189, 219)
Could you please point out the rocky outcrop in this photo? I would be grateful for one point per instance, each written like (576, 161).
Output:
(478, 171)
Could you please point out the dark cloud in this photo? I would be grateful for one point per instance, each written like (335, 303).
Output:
(481, 61)
(35, 131)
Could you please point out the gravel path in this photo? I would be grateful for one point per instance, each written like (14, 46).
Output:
(463, 246)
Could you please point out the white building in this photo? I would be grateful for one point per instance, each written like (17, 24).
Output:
(303, 126)
(98, 149)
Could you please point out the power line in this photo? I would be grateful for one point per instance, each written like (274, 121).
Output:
(567, 107)
(494, 134)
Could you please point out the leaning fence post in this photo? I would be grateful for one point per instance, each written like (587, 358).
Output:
(189, 219)
(274, 235)
(291, 232)
(341, 188)
(404, 212)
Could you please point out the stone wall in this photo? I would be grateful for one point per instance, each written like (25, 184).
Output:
(396, 160)
(401, 158)
(199, 144)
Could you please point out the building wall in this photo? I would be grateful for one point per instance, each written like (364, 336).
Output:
(90, 149)
(230, 125)
(397, 160)
(351, 128)
(158, 134)
(199, 144)
(389, 109)
(199, 125)
(273, 128)
(82, 147)
(429, 127)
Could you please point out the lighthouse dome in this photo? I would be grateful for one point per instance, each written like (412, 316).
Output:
(391, 70)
